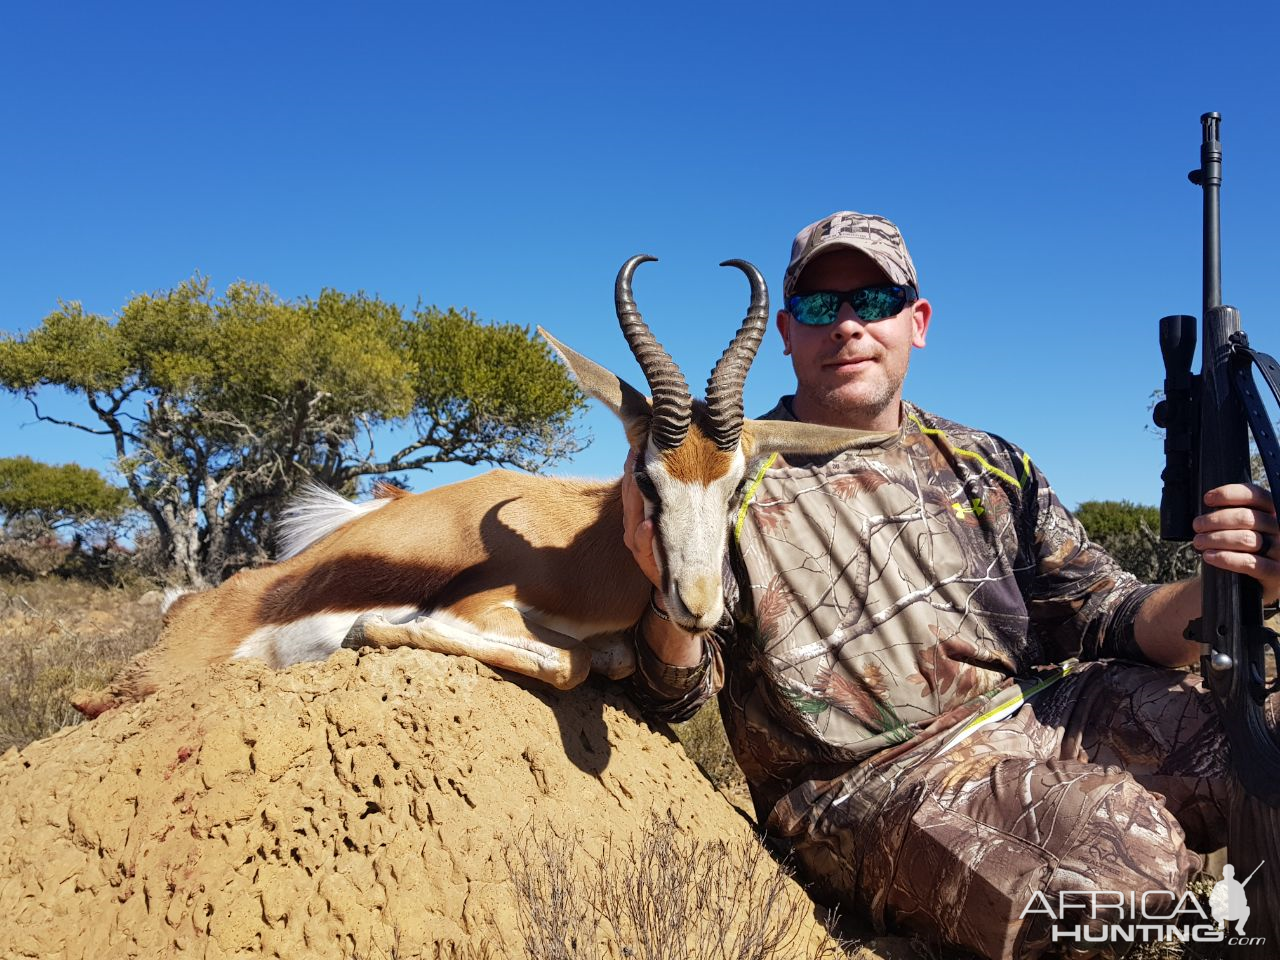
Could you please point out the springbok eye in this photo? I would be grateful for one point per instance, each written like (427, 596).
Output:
(646, 486)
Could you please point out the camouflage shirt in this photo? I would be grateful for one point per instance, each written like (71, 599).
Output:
(883, 596)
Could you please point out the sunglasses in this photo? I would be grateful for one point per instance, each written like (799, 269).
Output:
(870, 303)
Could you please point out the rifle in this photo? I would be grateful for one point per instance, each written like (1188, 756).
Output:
(1208, 418)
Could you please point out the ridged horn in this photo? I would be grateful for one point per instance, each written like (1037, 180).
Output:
(724, 388)
(672, 404)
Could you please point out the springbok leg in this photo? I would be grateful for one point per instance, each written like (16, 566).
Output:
(500, 637)
(612, 654)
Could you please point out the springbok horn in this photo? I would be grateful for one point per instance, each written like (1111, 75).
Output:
(724, 388)
(672, 404)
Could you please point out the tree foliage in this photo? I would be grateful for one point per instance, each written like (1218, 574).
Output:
(218, 406)
(1130, 532)
(57, 496)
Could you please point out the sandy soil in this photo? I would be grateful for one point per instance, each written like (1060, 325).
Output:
(327, 810)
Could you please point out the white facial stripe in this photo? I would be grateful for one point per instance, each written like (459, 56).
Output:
(693, 530)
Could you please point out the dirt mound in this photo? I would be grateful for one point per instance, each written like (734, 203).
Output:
(325, 811)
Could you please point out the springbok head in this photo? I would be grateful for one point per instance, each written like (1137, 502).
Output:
(693, 457)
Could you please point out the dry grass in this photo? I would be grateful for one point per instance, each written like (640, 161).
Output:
(438, 951)
(58, 634)
(657, 896)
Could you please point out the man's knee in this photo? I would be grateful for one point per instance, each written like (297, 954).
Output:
(1128, 861)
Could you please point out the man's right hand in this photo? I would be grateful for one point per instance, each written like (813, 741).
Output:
(637, 532)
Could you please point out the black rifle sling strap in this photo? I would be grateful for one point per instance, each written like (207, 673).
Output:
(1242, 355)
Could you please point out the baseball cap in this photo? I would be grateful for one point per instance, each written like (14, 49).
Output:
(875, 236)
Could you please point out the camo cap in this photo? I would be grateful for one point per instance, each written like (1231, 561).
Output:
(875, 236)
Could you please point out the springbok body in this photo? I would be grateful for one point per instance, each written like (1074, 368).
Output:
(514, 570)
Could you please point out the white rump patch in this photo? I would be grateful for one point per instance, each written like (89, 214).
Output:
(314, 512)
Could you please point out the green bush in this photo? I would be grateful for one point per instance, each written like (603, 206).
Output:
(1130, 532)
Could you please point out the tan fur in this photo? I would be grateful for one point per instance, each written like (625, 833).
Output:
(389, 491)
(553, 545)
(697, 460)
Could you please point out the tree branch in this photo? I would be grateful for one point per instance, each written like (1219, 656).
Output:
(45, 418)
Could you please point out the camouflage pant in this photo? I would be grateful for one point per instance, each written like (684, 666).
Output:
(1106, 781)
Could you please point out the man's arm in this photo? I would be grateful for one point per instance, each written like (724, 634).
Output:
(1238, 533)
(1162, 618)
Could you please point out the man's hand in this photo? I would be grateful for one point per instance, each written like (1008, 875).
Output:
(637, 532)
(1239, 533)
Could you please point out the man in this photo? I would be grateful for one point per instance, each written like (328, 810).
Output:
(945, 700)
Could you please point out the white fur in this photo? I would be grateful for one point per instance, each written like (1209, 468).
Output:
(310, 638)
(694, 528)
(456, 636)
(171, 596)
(315, 512)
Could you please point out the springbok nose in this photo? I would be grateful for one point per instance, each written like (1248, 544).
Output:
(700, 596)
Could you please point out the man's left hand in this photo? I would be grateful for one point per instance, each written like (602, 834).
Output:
(1239, 533)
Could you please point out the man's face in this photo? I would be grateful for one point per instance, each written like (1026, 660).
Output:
(850, 373)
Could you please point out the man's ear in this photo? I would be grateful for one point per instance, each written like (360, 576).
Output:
(921, 313)
(784, 321)
(630, 405)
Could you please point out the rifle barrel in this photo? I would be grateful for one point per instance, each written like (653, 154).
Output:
(1210, 179)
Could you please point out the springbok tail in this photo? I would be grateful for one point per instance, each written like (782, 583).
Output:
(171, 596)
(313, 513)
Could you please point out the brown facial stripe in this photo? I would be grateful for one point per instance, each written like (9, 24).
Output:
(352, 582)
(696, 460)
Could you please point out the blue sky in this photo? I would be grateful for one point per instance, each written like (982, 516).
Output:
(508, 158)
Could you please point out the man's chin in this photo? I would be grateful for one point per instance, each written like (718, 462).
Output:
(851, 405)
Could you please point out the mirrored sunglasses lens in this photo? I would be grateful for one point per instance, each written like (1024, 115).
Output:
(816, 309)
(876, 303)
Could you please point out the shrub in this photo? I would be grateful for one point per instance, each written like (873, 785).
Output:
(657, 896)
(1130, 532)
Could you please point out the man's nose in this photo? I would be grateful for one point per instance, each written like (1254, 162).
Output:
(847, 324)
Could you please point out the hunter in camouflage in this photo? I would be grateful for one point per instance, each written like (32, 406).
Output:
(933, 682)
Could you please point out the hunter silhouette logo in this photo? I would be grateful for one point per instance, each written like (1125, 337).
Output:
(1227, 900)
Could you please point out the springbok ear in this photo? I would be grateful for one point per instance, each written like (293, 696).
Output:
(763, 437)
(630, 405)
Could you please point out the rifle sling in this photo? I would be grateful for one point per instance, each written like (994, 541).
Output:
(1242, 355)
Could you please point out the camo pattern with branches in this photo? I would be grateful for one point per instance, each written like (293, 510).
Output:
(889, 592)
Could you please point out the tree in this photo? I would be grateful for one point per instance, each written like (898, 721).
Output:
(1130, 532)
(59, 497)
(218, 407)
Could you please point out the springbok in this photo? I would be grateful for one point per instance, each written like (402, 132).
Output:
(514, 570)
